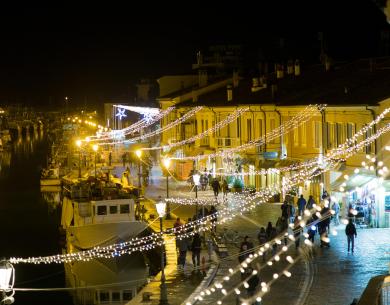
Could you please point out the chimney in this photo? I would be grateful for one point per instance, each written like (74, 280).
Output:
(297, 68)
(229, 90)
(290, 67)
(236, 79)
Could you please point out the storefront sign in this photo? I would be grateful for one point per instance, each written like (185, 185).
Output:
(387, 203)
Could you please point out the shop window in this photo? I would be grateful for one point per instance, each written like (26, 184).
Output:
(104, 296)
(116, 296)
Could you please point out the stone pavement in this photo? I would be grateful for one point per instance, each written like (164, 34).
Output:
(331, 277)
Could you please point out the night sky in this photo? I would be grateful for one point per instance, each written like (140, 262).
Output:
(93, 53)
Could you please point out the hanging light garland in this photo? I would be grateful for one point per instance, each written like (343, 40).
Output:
(180, 120)
(155, 239)
(284, 128)
(231, 117)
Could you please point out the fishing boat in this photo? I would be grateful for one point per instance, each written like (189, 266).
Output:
(50, 177)
(106, 281)
(98, 213)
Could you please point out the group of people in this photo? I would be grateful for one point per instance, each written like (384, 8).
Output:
(207, 179)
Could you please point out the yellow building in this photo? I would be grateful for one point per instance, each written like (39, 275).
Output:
(355, 94)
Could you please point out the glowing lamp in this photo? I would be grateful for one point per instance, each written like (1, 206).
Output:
(167, 162)
(7, 276)
(78, 143)
(138, 153)
(196, 179)
(160, 207)
(95, 147)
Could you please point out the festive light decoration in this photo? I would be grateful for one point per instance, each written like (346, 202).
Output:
(284, 128)
(180, 120)
(245, 204)
(142, 110)
(121, 114)
(230, 118)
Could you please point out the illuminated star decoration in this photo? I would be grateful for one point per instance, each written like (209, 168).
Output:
(121, 113)
(148, 116)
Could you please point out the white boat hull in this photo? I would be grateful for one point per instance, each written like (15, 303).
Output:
(101, 234)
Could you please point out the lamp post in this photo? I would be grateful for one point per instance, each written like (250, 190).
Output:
(7, 280)
(78, 143)
(139, 155)
(95, 148)
(160, 207)
(196, 179)
(167, 163)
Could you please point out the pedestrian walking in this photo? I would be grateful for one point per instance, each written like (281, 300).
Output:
(262, 236)
(350, 231)
(310, 203)
(336, 209)
(225, 188)
(252, 280)
(216, 187)
(268, 230)
(301, 205)
(245, 249)
(183, 246)
(195, 249)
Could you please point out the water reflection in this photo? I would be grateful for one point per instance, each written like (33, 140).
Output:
(52, 196)
(5, 160)
(109, 281)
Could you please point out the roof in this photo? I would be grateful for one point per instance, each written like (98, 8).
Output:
(347, 84)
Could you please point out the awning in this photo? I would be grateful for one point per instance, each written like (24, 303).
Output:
(354, 179)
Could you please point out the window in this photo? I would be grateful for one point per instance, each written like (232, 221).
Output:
(238, 127)
(116, 296)
(350, 130)
(316, 134)
(272, 128)
(340, 133)
(102, 210)
(368, 134)
(331, 135)
(260, 127)
(248, 130)
(125, 209)
(303, 134)
(113, 209)
(104, 296)
(296, 136)
(127, 295)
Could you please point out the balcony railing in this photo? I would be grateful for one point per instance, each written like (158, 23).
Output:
(205, 141)
(227, 142)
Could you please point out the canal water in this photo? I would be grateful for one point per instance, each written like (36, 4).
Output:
(30, 222)
(29, 226)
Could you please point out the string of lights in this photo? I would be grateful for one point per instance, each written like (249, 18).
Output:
(284, 128)
(136, 127)
(180, 120)
(231, 117)
(155, 239)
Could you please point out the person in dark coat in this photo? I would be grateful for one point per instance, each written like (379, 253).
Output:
(268, 230)
(216, 188)
(301, 205)
(350, 231)
(245, 247)
(195, 248)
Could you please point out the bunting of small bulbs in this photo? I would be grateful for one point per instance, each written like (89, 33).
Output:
(230, 118)
(136, 127)
(284, 128)
(180, 120)
(153, 240)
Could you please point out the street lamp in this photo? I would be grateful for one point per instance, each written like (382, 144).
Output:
(196, 179)
(7, 281)
(139, 155)
(167, 163)
(78, 143)
(160, 207)
(95, 148)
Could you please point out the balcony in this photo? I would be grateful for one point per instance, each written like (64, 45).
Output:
(227, 142)
(205, 141)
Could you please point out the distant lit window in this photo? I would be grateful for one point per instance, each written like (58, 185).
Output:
(296, 136)
(113, 209)
(248, 130)
(303, 134)
(102, 210)
(331, 135)
(124, 209)
(350, 130)
(317, 134)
